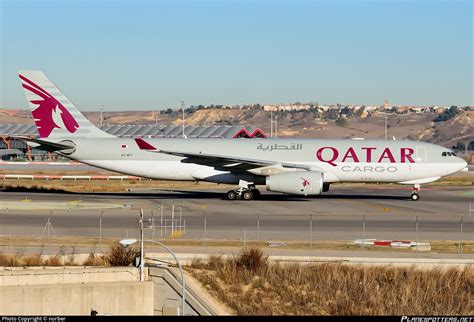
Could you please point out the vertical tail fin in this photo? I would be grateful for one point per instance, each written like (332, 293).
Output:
(55, 116)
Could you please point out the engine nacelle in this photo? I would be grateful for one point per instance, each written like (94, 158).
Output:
(297, 183)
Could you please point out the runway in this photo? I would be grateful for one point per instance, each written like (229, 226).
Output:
(385, 211)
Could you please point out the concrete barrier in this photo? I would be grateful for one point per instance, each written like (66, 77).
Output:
(74, 291)
(124, 298)
(17, 276)
(107, 290)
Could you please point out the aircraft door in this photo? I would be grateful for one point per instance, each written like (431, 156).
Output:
(421, 155)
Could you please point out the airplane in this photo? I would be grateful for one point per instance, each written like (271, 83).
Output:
(297, 166)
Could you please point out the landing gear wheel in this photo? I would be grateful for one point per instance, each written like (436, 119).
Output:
(247, 195)
(232, 195)
(415, 196)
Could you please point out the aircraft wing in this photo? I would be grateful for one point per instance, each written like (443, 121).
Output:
(222, 162)
(43, 144)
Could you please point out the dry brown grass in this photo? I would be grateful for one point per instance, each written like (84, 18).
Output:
(458, 180)
(116, 256)
(253, 260)
(94, 260)
(70, 259)
(32, 260)
(119, 256)
(337, 289)
(9, 260)
(3, 259)
(85, 186)
(53, 261)
(13, 261)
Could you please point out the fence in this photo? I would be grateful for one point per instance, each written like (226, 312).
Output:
(305, 234)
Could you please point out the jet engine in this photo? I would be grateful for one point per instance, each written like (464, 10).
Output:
(307, 183)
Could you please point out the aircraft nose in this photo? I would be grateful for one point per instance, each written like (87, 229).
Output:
(462, 163)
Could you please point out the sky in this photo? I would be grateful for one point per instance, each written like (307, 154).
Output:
(144, 55)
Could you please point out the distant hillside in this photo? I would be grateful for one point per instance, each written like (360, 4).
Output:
(300, 123)
(460, 128)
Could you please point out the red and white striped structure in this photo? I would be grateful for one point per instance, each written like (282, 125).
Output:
(388, 243)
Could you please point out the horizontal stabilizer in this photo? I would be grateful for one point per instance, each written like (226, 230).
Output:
(45, 145)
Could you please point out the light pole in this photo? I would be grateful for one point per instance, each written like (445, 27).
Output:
(276, 125)
(271, 123)
(182, 108)
(127, 242)
(101, 115)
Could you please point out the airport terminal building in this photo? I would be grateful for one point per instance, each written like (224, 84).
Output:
(11, 148)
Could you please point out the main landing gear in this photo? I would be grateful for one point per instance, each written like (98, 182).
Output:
(414, 192)
(246, 191)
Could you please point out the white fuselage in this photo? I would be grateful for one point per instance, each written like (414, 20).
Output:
(407, 162)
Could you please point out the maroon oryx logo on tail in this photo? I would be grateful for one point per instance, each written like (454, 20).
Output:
(46, 114)
(305, 182)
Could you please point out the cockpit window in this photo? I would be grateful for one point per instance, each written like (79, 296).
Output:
(448, 154)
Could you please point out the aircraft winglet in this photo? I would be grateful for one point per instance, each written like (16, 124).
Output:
(144, 145)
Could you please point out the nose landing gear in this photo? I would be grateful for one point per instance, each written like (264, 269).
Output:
(414, 192)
